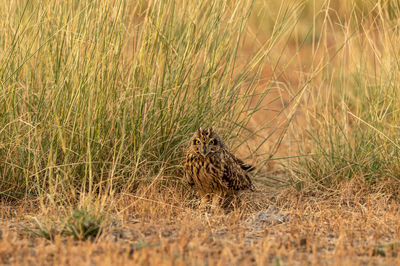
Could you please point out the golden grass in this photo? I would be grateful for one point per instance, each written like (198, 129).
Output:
(165, 227)
(88, 125)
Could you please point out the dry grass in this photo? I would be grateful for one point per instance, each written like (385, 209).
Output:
(93, 121)
(163, 226)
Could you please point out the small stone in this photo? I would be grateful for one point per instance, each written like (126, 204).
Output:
(221, 232)
(268, 217)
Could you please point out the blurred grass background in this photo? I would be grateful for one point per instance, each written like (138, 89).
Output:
(101, 96)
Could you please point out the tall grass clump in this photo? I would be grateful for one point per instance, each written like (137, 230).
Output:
(352, 117)
(100, 96)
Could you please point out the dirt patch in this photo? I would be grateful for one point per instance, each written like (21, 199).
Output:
(293, 229)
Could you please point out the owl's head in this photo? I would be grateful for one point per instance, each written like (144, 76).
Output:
(206, 142)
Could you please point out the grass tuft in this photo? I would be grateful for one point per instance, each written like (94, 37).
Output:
(83, 224)
(101, 96)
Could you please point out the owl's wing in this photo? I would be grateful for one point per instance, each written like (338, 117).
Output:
(246, 167)
(189, 173)
(189, 179)
(234, 176)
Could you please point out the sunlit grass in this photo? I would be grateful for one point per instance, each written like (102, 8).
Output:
(97, 101)
(352, 114)
(99, 96)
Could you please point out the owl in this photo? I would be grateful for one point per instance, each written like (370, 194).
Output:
(212, 169)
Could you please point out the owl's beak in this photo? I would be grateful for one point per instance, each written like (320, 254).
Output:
(204, 150)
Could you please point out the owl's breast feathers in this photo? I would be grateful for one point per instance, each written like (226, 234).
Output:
(218, 172)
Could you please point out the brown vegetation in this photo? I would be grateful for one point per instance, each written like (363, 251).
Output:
(92, 132)
(163, 226)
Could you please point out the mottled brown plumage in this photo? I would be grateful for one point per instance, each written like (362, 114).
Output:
(212, 169)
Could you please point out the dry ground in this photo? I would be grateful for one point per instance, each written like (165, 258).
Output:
(164, 227)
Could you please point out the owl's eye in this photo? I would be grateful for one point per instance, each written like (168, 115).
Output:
(196, 142)
(213, 142)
